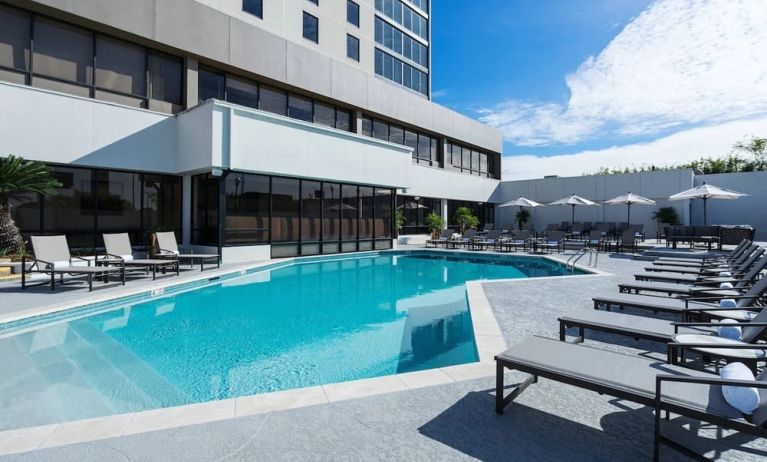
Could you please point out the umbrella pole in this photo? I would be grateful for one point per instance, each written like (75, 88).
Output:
(572, 216)
(628, 219)
(705, 217)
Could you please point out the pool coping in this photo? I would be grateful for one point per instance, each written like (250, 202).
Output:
(488, 336)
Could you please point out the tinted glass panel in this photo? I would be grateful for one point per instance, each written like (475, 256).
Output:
(120, 66)
(331, 210)
(324, 114)
(254, 7)
(396, 134)
(366, 216)
(353, 13)
(165, 78)
(285, 209)
(353, 47)
(205, 209)
(299, 108)
(241, 92)
(161, 205)
(383, 213)
(380, 130)
(210, 85)
(14, 39)
(311, 28)
(118, 204)
(311, 208)
(273, 100)
(70, 208)
(63, 51)
(343, 120)
(247, 208)
(349, 212)
(367, 126)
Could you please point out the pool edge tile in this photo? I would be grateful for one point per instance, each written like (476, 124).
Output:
(24, 439)
(425, 378)
(279, 401)
(180, 416)
(80, 431)
(364, 387)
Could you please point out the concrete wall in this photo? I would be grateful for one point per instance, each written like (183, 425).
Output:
(59, 128)
(210, 34)
(445, 184)
(749, 210)
(654, 185)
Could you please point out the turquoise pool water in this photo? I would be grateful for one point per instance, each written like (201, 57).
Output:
(308, 323)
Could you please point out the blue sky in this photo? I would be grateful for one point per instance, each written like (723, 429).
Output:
(569, 77)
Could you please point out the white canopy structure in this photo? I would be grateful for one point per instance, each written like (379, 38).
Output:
(520, 202)
(573, 200)
(630, 199)
(706, 191)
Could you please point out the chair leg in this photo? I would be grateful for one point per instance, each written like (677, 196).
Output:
(122, 275)
(154, 272)
(53, 279)
(90, 282)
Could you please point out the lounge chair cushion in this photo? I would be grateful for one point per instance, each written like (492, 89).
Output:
(126, 257)
(61, 264)
(744, 399)
(729, 331)
(726, 285)
(725, 274)
(728, 303)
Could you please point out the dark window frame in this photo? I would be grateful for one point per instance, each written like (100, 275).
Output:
(307, 16)
(258, 11)
(353, 13)
(349, 40)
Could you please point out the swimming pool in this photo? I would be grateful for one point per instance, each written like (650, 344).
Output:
(291, 325)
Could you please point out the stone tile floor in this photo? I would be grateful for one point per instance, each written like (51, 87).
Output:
(455, 421)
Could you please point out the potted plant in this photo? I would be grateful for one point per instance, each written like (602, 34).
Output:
(666, 215)
(399, 222)
(19, 175)
(435, 224)
(523, 216)
(465, 219)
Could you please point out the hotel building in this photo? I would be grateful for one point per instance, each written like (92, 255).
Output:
(261, 128)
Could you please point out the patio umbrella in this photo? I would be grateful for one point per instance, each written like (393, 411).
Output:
(706, 192)
(630, 199)
(573, 201)
(521, 202)
(412, 205)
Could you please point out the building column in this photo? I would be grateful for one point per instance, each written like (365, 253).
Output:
(192, 97)
(443, 208)
(186, 211)
(358, 122)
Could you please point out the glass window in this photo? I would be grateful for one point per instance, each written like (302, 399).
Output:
(324, 114)
(475, 161)
(316, 2)
(367, 126)
(397, 71)
(311, 28)
(69, 209)
(366, 213)
(247, 208)
(165, 77)
(285, 209)
(254, 7)
(456, 150)
(210, 85)
(161, 205)
(353, 13)
(273, 100)
(299, 107)
(311, 210)
(483, 162)
(120, 66)
(63, 51)
(380, 130)
(466, 159)
(241, 92)
(25, 211)
(388, 36)
(343, 120)
(424, 147)
(434, 150)
(397, 43)
(331, 211)
(411, 140)
(382, 213)
(205, 189)
(352, 47)
(396, 134)
(349, 212)
(118, 204)
(14, 39)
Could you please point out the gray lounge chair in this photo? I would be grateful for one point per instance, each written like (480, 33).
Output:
(742, 264)
(492, 239)
(118, 246)
(701, 285)
(673, 276)
(701, 262)
(665, 387)
(519, 240)
(52, 258)
(467, 237)
(659, 330)
(554, 241)
(690, 307)
(444, 236)
(168, 248)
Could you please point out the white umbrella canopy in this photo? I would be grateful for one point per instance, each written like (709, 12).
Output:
(521, 202)
(706, 191)
(630, 199)
(412, 206)
(573, 200)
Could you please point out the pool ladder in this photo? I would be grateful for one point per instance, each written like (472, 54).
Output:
(593, 257)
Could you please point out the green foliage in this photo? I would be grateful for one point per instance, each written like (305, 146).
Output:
(19, 175)
(465, 219)
(666, 215)
(523, 216)
(399, 221)
(435, 223)
(748, 156)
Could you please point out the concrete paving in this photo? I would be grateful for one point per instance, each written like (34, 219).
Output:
(454, 421)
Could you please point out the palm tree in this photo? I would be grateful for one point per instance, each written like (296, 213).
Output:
(19, 175)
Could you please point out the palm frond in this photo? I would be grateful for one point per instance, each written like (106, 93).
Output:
(17, 175)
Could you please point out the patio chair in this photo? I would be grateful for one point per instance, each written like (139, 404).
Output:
(168, 248)
(665, 387)
(118, 246)
(596, 239)
(576, 231)
(492, 239)
(604, 229)
(673, 274)
(702, 284)
(739, 260)
(627, 241)
(52, 258)
(690, 307)
(465, 239)
(551, 227)
(738, 253)
(488, 227)
(520, 240)
(659, 330)
(444, 236)
(564, 226)
(554, 241)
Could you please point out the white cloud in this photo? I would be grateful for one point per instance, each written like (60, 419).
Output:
(680, 147)
(680, 63)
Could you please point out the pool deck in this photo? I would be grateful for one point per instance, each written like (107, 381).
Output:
(438, 415)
